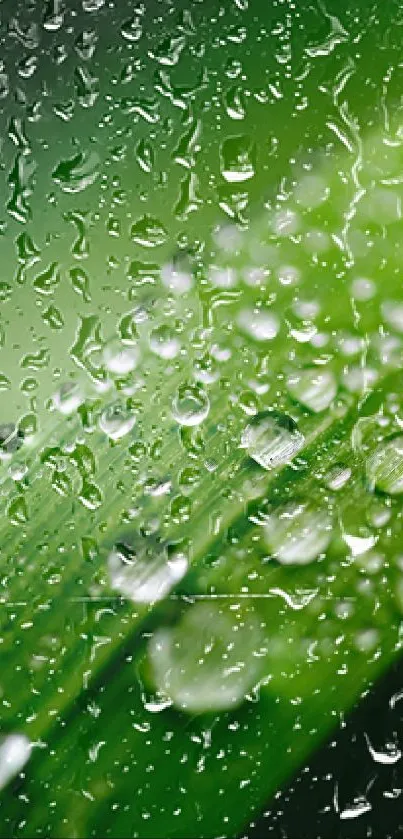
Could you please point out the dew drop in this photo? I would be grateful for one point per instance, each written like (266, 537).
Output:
(146, 574)
(298, 532)
(313, 388)
(384, 467)
(117, 421)
(191, 405)
(209, 661)
(272, 439)
(15, 750)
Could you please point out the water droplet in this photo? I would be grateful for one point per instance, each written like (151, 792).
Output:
(237, 159)
(164, 342)
(272, 439)
(337, 476)
(117, 421)
(384, 467)
(298, 532)
(210, 660)
(149, 232)
(313, 388)
(68, 398)
(120, 359)
(260, 324)
(144, 573)
(15, 751)
(191, 405)
(78, 172)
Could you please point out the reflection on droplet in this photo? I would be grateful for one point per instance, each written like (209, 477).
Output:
(272, 439)
(298, 532)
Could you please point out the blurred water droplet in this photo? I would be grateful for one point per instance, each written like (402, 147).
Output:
(210, 660)
(260, 324)
(164, 342)
(15, 750)
(314, 388)
(143, 573)
(298, 532)
(384, 467)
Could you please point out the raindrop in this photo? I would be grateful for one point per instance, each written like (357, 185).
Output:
(298, 532)
(272, 439)
(237, 159)
(313, 388)
(117, 421)
(210, 660)
(145, 574)
(148, 232)
(384, 467)
(15, 751)
(191, 405)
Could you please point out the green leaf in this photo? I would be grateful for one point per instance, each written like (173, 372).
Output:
(201, 461)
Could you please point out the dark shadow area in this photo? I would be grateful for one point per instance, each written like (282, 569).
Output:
(353, 787)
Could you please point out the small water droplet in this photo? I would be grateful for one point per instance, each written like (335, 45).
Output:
(210, 660)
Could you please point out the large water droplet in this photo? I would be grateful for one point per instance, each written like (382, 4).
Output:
(313, 388)
(210, 660)
(149, 232)
(261, 324)
(384, 467)
(117, 421)
(14, 753)
(272, 439)
(191, 405)
(298, 532)
(144, 573)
